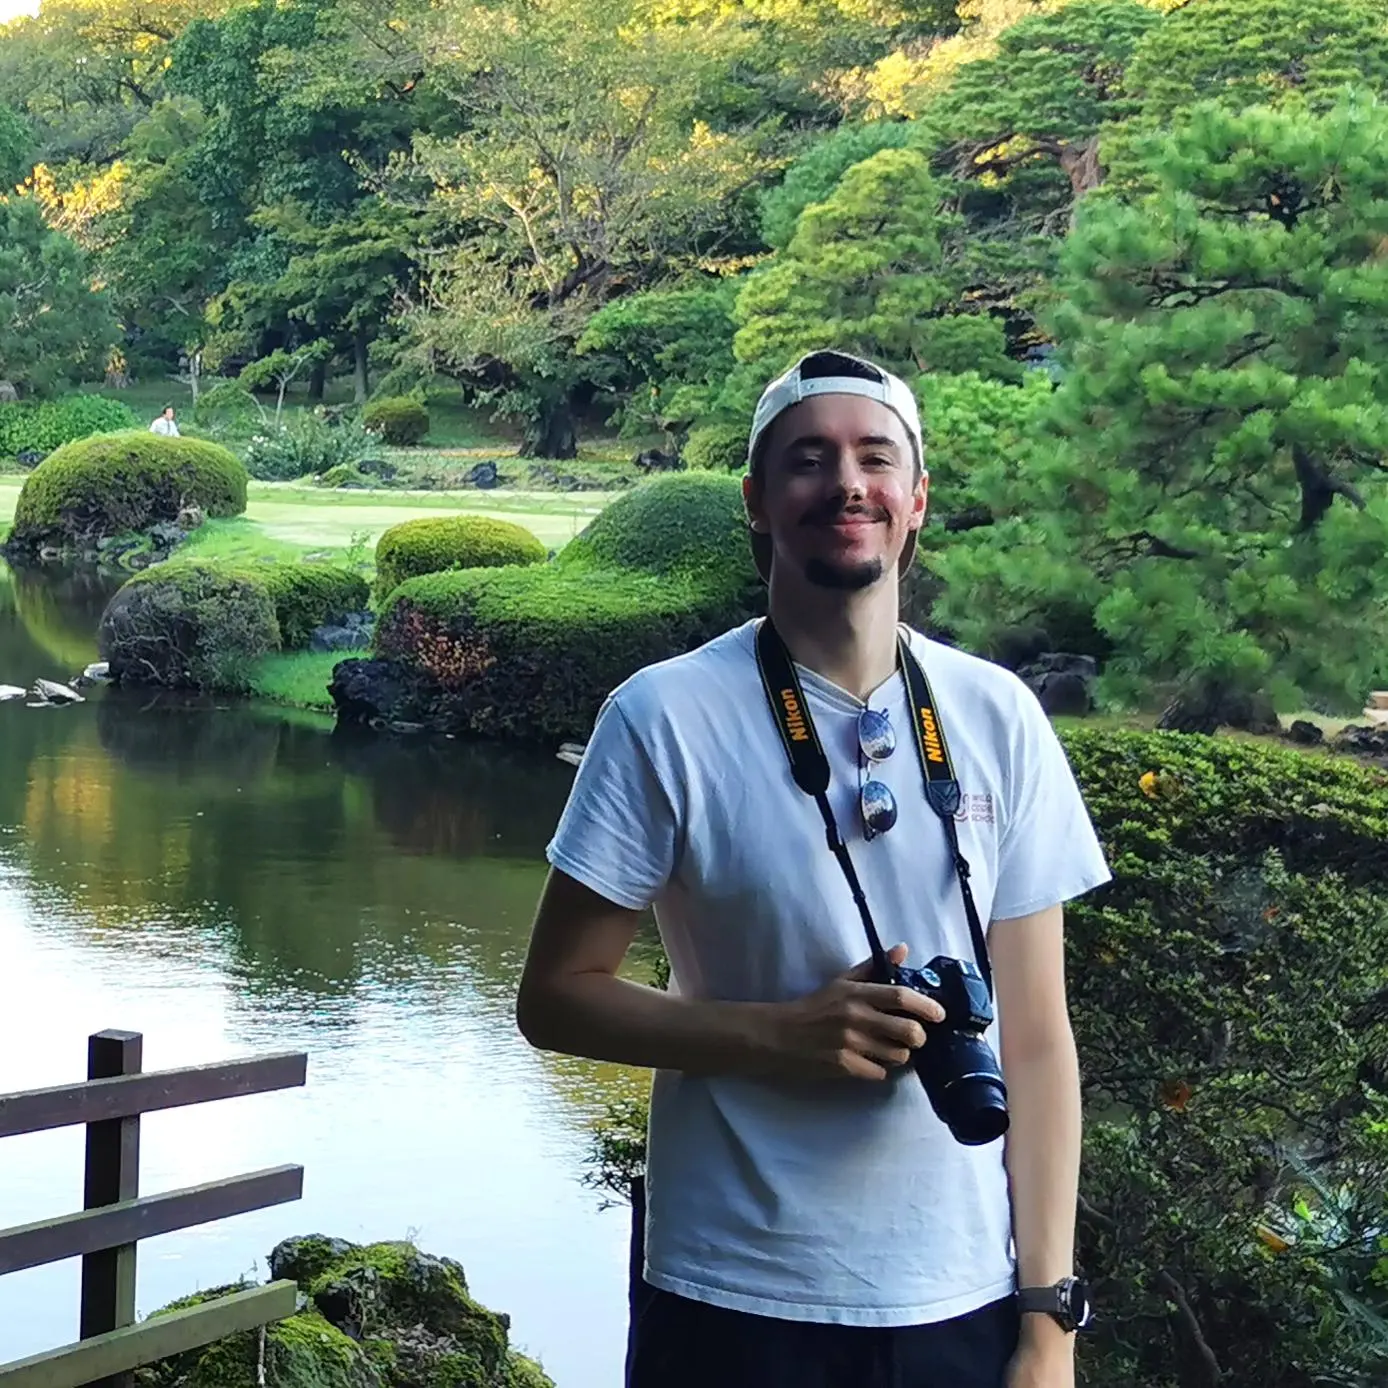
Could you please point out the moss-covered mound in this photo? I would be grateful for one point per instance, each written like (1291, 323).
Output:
(204, 623)
(437, 544)
(398, 419)
(115, 483)
(530, 653)
(383, 1315)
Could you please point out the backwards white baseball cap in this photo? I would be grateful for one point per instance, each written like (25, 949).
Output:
(832, 373)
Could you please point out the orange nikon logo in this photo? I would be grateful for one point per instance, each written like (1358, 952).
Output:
(934, 748)
(795, 720)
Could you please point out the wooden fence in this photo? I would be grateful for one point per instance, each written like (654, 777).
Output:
(115, 1217)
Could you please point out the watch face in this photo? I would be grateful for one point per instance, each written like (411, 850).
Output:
(1080, 1309)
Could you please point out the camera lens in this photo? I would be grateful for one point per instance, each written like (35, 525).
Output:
(976, 1111)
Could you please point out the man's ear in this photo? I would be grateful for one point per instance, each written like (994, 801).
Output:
(921, 501)
(751, 501)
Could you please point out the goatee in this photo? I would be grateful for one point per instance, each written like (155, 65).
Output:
(849, 578)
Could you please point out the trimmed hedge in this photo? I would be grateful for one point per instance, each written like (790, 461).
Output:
(399, 420)
(436, 544)
(115, 483)
(1229, 993)
(203, 623)
(308, 595)
(189, 624)
(531, 652)
(42, 426)
(716, 448)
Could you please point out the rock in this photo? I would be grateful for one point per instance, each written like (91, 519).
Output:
(11, 691)
(339, 638)
(653, 460)
(1062, 682)
(52, 692)
(166, 535)
(1251, 713)
(98, 672)
(484, 475)
(1361, 741)
(1305, 734)
(378, 467)
(189, 518)
(8, 394)
(307, 1257)
(29, 457)
(374, 692)
(571, 752)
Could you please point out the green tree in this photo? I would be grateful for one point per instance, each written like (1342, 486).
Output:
(1215, 490)
(16, 148)
(583, 170)
(54, 327)
(879, 268)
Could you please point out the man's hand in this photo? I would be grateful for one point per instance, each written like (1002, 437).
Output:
(851, 1028)
(1045, 1356)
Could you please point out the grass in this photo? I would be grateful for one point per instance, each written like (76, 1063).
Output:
(298, 678)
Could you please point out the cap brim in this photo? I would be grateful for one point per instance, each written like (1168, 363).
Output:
(762, 549)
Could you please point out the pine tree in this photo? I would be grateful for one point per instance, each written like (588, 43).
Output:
(1215, 489)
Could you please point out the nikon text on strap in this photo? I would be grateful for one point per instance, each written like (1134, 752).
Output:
(810, 768)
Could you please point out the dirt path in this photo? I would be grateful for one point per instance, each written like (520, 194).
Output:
(308, 516)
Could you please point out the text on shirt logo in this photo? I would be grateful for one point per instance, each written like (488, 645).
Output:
(978, 808)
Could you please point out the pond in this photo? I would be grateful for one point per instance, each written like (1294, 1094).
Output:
(232, 881)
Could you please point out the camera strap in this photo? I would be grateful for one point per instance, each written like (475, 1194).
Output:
(810, 768)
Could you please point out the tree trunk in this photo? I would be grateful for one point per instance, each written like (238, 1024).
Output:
(361, 380)
(317, 382)
(552, 433)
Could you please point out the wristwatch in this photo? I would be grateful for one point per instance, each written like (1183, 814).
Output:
(1067, 1302)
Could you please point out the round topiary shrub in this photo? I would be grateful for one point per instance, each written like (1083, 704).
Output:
(399, 420)
(681, 524)
(306, 595)
(436, 544)
(115, 483)
(716, 448)
(190, 624)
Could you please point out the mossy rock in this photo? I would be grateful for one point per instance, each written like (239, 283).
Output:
(399, 420)
(112, 484)
(307, 595)
(304, 1351)
(189, 624)
(438, 544)
(716, 448)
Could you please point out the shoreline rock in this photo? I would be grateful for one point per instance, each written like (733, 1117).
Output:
(380, 1315)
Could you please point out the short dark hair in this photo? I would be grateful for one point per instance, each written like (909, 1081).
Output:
(166, 409)
(818, 365)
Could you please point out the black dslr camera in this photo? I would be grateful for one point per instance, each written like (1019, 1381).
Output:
(962, 1078)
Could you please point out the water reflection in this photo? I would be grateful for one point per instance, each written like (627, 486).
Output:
(227, 879)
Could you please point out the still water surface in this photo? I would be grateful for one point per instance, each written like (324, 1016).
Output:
(230, 881)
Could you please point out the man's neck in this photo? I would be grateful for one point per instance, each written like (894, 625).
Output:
(847, 638)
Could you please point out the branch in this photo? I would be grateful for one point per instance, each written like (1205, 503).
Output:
(1212, 1372)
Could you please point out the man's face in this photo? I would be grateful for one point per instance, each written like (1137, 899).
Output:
(837, 490)
(168, 413)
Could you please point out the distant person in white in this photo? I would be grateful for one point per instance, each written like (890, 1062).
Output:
(165, 424)
(809, 1220)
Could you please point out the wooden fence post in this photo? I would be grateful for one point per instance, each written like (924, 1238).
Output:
(112, 1174)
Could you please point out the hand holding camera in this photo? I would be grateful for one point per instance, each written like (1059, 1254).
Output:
(853, 1027)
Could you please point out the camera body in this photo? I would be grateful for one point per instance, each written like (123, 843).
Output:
(961, 1075)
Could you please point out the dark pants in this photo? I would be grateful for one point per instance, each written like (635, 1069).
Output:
(678, 1343)
(674, 1342)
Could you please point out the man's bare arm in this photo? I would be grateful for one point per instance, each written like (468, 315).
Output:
(1043, 1091)
(572, 1000)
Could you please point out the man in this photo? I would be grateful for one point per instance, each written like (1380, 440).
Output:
(165, 424)
(810, 1220)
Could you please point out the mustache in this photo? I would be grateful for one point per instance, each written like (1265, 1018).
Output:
(831, 511)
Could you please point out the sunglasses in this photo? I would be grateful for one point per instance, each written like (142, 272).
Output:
(876, 742)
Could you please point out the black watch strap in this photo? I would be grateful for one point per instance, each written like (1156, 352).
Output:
(1066, 1302)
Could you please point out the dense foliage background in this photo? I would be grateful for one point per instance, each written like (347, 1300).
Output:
(1132, 255)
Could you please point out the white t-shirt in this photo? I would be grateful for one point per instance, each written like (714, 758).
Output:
(836, 1201)
(164, 426)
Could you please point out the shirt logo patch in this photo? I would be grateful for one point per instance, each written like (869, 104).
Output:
(977, 809)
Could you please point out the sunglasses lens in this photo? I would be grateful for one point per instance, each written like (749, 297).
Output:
(879, 807)
(875, 735)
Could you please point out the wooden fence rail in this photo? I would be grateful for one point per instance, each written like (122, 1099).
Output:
(115, 1217)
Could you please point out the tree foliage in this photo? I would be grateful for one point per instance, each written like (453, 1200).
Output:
(1215, 485)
